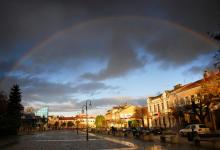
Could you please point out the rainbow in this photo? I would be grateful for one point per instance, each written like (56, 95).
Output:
(82, 25)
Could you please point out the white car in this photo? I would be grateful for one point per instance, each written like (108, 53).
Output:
(198, 128)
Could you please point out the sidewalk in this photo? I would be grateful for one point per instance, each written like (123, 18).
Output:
(181, 141)
(8, 140)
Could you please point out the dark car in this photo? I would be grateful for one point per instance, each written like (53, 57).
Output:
(143, 130)
(156, 131)
(127, 130)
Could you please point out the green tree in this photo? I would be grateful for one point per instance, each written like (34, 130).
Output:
(100, 121)
(135, 123)
(70, 124)
(14, 110)
(63, 124)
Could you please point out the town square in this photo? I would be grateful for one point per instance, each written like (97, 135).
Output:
(109, 75)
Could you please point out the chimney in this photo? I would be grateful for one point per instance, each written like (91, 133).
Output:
(177, 86)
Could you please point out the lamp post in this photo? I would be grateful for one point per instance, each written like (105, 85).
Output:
(86, 107)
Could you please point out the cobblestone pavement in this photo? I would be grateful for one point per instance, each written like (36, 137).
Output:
(69, 140)
(62, 140)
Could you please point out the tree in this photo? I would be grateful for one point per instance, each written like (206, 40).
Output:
(100, 121)
(208, 95)
(56, 124)
(63, 124)
(70, 124)
(178, 114)
(3, 102)
(200, 107)
(135, 123)
(14, 110)
(3, 109)
(140, 113)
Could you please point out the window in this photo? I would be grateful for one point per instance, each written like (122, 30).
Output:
(162, 106)
(155, 109)
(167, 104)
(158, 107)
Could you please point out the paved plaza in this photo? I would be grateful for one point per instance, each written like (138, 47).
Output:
(69, 140)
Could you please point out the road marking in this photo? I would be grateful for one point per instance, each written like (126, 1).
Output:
(70, 140)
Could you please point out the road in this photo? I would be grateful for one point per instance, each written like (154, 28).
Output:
(69, 140)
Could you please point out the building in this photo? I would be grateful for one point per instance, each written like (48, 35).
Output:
(126, 116)
(159, 111)
(81, 121)
(42, 112)
(162, 107)
(66, 122)
(53, 122)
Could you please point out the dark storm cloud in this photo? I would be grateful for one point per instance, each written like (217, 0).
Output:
(118, 42)
(32, 21)
(39, 90)
(114, 43)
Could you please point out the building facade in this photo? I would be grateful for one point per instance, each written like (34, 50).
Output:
(126, 116)
(165, 109)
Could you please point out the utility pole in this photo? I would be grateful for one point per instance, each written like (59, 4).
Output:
(87, 124)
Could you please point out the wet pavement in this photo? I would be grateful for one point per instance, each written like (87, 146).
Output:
(69, 140)
(60, 140)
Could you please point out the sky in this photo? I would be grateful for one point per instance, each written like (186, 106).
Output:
(111, 52)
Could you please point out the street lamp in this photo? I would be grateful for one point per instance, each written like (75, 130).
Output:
(86, 107)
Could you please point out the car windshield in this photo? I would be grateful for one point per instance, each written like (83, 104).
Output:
(187, 127)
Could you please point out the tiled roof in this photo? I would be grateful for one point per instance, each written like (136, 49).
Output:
(66, 118)
(196, 83)
(189, 86)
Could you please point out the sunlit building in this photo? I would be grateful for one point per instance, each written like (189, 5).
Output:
(161, 107)
(81, 121)
(125, 116)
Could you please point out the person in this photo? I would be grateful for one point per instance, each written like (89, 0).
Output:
(113, 130)
(134, 131)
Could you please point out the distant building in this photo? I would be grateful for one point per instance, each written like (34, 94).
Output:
(124, 116)
(81, 121)
(42, 112)
(64, 121)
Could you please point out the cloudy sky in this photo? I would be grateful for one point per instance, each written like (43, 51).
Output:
(63, 53)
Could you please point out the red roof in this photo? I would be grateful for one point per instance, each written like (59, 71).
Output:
(196, 83)
(66, 118)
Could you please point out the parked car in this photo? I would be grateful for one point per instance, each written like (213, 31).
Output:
(156, 131)
(127, 130)
(143, 130)
(198, 128)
